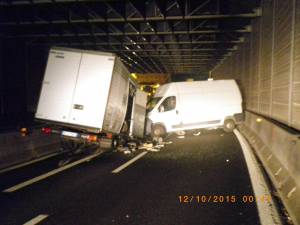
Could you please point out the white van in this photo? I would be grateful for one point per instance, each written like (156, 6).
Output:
(194, 105)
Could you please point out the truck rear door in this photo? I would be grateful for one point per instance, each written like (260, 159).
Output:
(92, 89)
(58, 86)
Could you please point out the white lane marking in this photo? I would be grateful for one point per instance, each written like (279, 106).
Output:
(129, 162)
(291, 192)
(267, 211)
(36, 219)
(51, 173)
(30, 162)
(278, 171)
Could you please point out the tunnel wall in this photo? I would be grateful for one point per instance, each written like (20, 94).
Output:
(278, 150)
(267, 64)
(1, 77)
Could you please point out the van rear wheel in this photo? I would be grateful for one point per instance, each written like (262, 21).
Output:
(229, 125)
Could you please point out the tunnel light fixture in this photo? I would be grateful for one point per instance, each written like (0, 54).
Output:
(133, 75)
(156, 85)
(134, 53)
(258, 119)
(126, 47)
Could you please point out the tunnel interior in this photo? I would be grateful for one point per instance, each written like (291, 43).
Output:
(254, 42)
(182, 38)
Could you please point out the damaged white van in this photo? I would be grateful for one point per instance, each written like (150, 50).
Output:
(184, 106)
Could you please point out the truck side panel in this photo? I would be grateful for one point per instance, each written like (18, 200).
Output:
(118, 99)
(58, 86)
(139, 114)
(92, 89)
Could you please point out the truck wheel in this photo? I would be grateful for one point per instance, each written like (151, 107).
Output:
(114, 143)
(229, 125)
(158, 131)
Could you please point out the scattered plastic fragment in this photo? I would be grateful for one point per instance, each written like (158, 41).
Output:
(180, 133)
(127, 152)
(153, 149)
(197, 134)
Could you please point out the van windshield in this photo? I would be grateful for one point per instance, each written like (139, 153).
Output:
(152, 103)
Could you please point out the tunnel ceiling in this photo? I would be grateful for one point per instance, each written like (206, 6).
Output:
(160, 36)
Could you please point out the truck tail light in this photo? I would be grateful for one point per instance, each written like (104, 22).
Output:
(92, 138)
(46, 130)
(24, 131)
(109, 135)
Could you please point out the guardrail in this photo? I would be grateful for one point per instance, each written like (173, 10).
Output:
(279, 152)
(15, 148)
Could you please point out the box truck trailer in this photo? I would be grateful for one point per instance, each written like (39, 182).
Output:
(88, 97)
(184, 106)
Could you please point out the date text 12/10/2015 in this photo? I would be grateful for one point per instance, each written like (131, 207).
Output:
(223, 198)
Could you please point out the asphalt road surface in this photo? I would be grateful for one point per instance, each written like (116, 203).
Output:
(197, 180)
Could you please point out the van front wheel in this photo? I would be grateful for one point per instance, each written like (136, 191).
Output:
(158, 131)
(229, 125)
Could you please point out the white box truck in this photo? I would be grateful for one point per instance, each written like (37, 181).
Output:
(184, 106)
(88, 96)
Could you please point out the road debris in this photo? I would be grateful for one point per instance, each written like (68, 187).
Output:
(197, 134)
(180, 133)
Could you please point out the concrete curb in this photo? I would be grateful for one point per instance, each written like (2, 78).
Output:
(15, 149)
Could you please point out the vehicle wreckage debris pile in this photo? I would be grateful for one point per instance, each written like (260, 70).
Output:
(132, 147)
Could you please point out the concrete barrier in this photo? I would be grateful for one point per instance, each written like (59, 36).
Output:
(279, 152)
(16, 149)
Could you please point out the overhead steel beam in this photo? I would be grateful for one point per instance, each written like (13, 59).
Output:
(182, 56)
(104, 34)
(192, 66)
(174, 50)
(136, 19)
(182, 63)
(150, 43)
(185, 49)
(189, 60)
